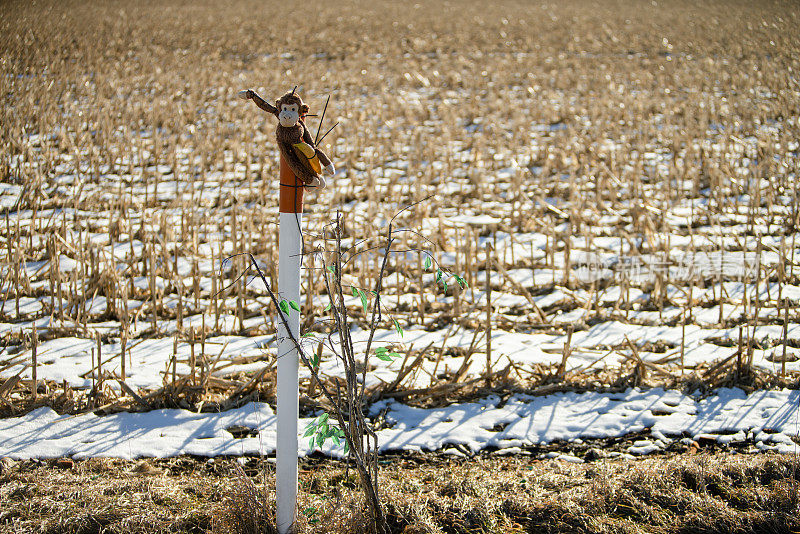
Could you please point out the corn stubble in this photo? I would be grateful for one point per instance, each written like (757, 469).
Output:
(135, 165)
(129, 159)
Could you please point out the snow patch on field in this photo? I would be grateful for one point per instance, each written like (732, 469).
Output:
(768, 419)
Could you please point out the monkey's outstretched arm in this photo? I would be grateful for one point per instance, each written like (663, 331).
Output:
(263, 104)
(260, 102)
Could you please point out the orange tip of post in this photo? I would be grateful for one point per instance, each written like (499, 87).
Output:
(291, 190)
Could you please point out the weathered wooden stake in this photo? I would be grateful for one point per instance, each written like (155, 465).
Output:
(785, 335)
(488, 315)
(34, 348)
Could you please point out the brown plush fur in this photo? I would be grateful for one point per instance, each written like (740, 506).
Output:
(288, 136)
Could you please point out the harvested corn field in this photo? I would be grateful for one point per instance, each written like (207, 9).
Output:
(594, 216)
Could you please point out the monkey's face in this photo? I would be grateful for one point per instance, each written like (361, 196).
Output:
(289, 115)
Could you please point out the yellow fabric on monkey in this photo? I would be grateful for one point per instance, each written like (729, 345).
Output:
(308, 154)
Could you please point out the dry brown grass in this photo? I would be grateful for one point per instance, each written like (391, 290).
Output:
(103, 496)
(723, 493)
(246, 508)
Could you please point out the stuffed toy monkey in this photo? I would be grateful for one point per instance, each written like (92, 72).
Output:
(307, 161)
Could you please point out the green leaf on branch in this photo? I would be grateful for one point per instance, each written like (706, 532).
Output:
(308, 334)
(315, 360)
(364, 302)
(294, 305)
(384, 354)
(320, 430)
(428, 262)
(332, 268)
(444, 284)
(284, 306)
(327, 307)
(438, 274)
(355, 291)
(311, 513)
(397, 327)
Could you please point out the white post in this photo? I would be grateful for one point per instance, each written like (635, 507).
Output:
(289, 261)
